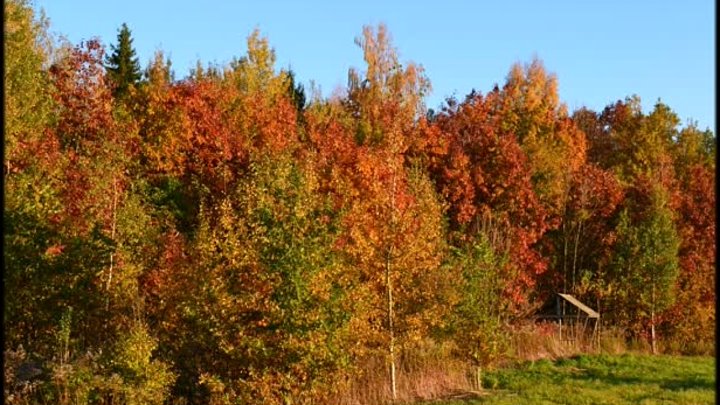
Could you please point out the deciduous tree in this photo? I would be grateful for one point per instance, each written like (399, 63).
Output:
(645, 264)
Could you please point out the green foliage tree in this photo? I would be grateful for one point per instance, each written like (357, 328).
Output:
(122, 65)
(296, 92)
(478, 319)
(645, 264)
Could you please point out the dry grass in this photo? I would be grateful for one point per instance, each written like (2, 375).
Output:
(543, 341)
(427, 371)
(431, 371)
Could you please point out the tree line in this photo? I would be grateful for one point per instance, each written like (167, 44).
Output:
(229, 238)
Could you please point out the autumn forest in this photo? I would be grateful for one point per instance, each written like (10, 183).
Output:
(233, 237)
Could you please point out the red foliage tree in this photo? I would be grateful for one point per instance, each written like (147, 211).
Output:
(485, 178)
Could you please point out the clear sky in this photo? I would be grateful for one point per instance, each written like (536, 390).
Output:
(601, 51)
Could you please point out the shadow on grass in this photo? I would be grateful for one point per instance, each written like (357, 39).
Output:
(624, 379)
(683, 384)
(690, 382)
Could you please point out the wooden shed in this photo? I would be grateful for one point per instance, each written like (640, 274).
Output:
(576, 317)
(573, 318)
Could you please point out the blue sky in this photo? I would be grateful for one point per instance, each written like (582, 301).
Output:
(601, 51)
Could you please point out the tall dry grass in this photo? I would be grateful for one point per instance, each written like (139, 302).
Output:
(549, 340)
(426, 371)
(432, 370)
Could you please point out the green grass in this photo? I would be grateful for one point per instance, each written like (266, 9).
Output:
(603, 379)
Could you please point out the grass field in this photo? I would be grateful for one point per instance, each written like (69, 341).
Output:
(603, 379)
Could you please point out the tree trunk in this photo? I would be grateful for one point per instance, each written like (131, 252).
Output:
(652, 322)
(390, 300)
(391, 326)
(112, 236)
(652, 332)
(575, 250)
(478, 378)
(565, 257)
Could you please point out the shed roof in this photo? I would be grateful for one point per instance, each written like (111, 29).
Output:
(589, 311)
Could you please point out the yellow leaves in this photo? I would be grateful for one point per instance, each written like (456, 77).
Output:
(28, 102)
(531, 89)
(554, 145)
(158, 71)
(147, 381)
(254, 73)
(389, 97)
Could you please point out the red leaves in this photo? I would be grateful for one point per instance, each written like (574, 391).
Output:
(211, 149)
(697, 229)
(211, 131)
(85, 100)
(485, 174)
(54, 250)
(594, 192)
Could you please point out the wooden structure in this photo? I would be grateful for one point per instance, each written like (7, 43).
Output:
(573, 318)
(572, 314)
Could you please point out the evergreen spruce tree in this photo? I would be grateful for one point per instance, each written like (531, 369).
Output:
(123, 67)
(296, 91)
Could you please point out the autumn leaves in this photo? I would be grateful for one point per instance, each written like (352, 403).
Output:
(229, 241)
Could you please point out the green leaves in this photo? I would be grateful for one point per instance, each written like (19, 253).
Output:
(645, 262)
(478, 318)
